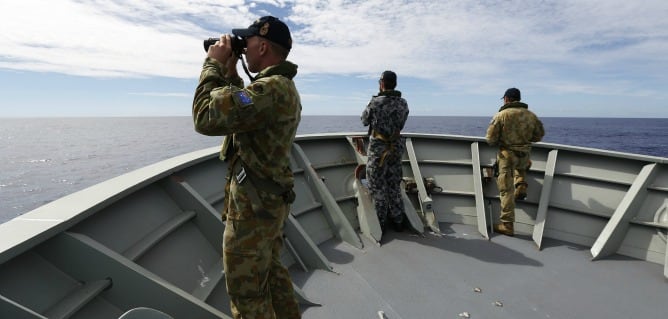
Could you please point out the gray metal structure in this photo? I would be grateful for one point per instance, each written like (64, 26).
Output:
(591, 239)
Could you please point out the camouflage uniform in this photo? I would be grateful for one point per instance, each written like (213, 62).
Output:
(386, 115)
(513, 129)
(261, 120)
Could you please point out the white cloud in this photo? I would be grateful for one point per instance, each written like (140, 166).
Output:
(110, 39)
(461, 43)
(465, 45)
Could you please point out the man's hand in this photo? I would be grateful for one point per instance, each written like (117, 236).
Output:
(222, 50)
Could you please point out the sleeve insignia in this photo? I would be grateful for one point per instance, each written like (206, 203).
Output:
(242, 98)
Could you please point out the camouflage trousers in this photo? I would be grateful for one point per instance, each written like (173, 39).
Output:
(384, 173)
(258, 284)
(512, 173)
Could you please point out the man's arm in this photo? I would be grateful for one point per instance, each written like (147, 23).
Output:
(218, 91)
(538, 132)
(493, 132)
(366, 115)
(209, 104)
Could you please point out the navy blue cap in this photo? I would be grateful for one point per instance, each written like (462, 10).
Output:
(513, 94)
(270, 28)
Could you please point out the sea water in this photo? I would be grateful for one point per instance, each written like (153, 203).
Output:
(43, 159)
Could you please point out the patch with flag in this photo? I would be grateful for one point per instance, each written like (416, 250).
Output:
(242, 98)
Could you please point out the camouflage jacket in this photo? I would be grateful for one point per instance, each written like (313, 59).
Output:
(386, 113)
(262, 118)
(515, 127)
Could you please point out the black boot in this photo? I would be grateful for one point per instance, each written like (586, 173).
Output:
(398, 226)
(521, 191)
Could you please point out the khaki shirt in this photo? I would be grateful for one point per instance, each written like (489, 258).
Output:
(514, 127)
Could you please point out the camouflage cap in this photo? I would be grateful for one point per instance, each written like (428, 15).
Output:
(513, 94)
(270, 28)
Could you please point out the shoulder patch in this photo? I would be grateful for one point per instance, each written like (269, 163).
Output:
(242, 98)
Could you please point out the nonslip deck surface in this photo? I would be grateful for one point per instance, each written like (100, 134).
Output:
(463, 274)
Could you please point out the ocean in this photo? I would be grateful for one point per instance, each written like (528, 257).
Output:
(43, 159)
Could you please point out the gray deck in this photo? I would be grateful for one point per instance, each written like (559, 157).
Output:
(151, 238)
(435, 277)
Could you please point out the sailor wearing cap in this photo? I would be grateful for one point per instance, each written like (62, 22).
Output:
(259, 122)
(512, 129)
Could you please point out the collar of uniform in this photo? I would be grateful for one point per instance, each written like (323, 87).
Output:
(514, 104)
(390, 93)
(285, 68)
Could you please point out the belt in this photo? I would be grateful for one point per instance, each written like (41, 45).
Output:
(388, 141)
(384, 138)
(252, 183)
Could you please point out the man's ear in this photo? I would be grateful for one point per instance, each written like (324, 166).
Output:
(264, 47)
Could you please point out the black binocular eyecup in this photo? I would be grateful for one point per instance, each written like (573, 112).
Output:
(238, 44)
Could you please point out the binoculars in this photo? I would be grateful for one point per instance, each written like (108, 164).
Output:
(238, 44)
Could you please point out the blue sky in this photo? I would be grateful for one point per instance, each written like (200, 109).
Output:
(603, 58)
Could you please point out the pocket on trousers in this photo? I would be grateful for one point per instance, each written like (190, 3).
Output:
(241, 278)
(242, 260)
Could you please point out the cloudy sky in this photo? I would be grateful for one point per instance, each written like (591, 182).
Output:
(584, 58)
